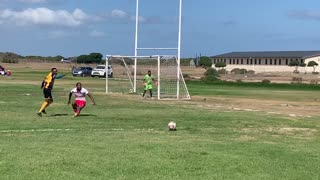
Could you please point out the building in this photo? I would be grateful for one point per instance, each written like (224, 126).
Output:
(268, 61)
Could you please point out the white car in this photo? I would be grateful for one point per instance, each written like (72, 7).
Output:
(100, 71)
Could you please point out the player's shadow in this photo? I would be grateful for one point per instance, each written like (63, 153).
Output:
(87, 115)
(56, 115)
(53, 115)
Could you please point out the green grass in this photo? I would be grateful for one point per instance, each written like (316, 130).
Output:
(125, 137)
(291, 92)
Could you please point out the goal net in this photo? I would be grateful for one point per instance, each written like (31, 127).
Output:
(129, 72)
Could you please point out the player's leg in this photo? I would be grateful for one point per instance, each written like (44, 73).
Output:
(145, 89)
(48, 100)
(80, 104)
(74, 106)
(149, 87)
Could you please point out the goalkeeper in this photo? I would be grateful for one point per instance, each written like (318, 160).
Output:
(147, 83)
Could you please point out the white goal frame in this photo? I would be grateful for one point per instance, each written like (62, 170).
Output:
(178, 49)
(137, 49)
(158, 58)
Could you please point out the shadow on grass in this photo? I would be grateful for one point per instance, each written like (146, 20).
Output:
(87, 115)
(56, 115)
(59, 115)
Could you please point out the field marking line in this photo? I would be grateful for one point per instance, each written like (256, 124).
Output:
(33, 130)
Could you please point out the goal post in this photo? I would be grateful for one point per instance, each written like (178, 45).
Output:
(129, 72)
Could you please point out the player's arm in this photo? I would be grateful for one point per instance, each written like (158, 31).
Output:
(144, 83)
(59, 76)
(92, 99)
(69, 100)
(155, 81)
(42, 84)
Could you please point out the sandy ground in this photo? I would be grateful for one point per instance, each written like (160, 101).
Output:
(285, 108)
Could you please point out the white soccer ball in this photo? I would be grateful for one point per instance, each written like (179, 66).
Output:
(172, 126)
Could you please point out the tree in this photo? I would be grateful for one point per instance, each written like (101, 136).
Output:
(312, 64)
(220, 64)
(82, 58)
(205, 62)
(296, 64)
(95, 57)
(91, 58)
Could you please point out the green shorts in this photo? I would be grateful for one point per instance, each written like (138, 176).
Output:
(148, 87)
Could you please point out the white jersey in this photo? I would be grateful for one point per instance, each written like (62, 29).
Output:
(80, 95)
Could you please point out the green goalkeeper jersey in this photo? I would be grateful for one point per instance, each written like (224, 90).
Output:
(148, 79)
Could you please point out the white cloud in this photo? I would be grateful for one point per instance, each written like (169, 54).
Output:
(118, 13)
(121, 16)
(44, 16)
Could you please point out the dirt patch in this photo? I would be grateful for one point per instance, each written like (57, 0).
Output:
(289, 109)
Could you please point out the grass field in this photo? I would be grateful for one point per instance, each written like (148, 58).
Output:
(225, 132)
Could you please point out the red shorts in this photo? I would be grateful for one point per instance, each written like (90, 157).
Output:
(80, 103)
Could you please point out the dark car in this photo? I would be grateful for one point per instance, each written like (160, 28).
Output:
(82, 71)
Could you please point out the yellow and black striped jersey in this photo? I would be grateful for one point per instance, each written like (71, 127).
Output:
(48, 81)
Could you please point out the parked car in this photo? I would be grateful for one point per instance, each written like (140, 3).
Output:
(65, 60)
(100, 71)
(82, 71)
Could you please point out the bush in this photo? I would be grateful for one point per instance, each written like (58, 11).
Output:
(239, 71)
(239, 81)
(314, 81)
(265, 81)
(211, 72)
(210, 75)
(296, 80)
(222, 71)
(10, 61)
(209, 78)
(220, 64)
(315, 72)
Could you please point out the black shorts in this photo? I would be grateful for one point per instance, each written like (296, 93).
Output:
(47, 93)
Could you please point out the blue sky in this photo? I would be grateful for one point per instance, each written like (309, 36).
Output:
(210, 27)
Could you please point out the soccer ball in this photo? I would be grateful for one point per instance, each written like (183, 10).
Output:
(172, 126)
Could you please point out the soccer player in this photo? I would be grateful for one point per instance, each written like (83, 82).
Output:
(147, 83)
(80, 98)
(47, 85)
